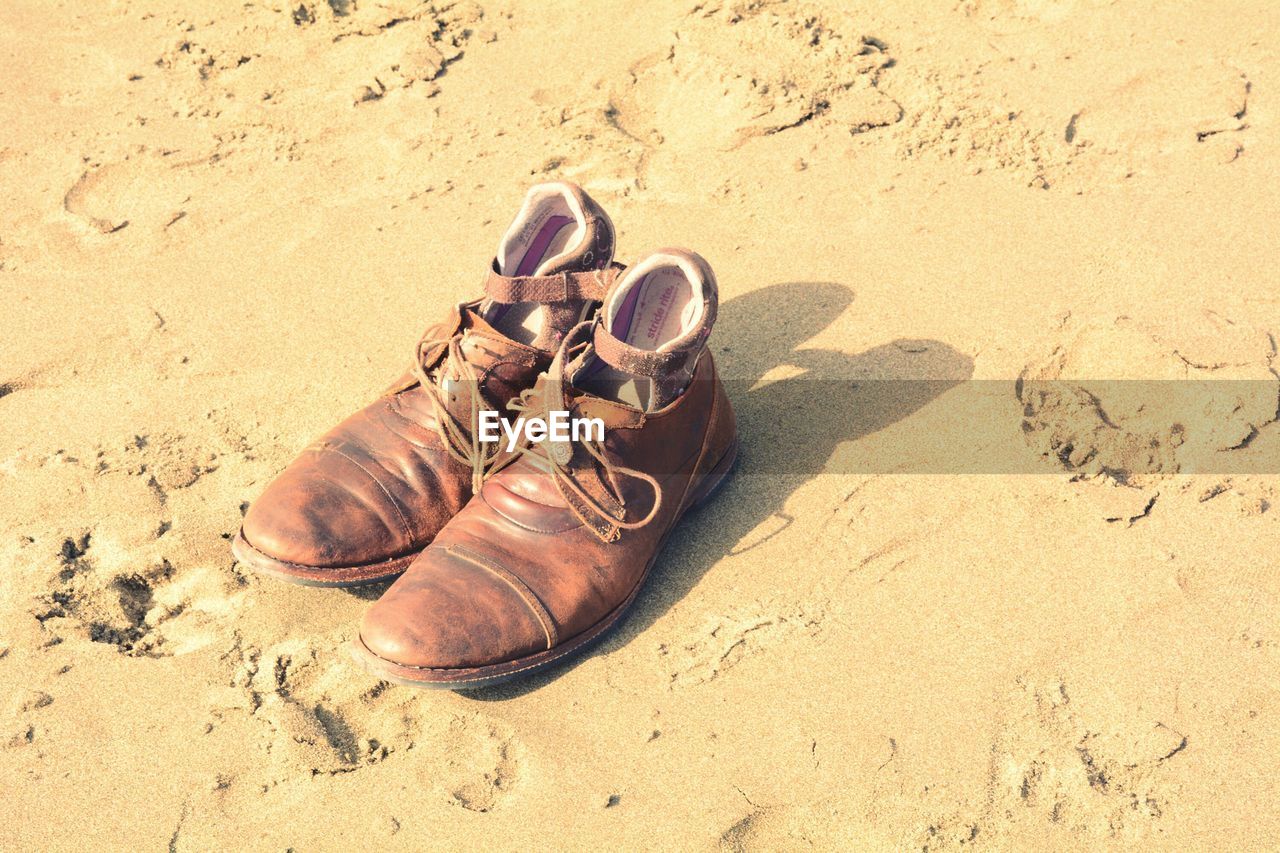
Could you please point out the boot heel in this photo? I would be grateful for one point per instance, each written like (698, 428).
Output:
(714, 479)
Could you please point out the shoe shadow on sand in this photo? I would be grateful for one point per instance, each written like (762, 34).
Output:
(788, 430)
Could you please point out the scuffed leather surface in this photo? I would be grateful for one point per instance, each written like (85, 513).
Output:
(380, 484)
(445, 613)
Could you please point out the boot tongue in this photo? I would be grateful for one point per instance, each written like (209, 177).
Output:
(502, 366)
(558, 229)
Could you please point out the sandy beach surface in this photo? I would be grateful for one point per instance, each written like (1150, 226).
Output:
(225, 225)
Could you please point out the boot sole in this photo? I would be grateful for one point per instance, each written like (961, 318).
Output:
(473, 678)
(318, 576)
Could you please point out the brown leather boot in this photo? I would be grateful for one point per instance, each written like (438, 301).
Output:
(554, 549)
(362, 502)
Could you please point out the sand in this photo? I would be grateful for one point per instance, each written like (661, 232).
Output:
(226, 224)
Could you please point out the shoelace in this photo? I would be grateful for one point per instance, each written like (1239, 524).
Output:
(462, 444)
(532, 400)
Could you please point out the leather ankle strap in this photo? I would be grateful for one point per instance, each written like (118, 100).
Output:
(562, 287)
(625, 357)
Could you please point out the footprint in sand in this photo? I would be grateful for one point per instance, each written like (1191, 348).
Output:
(323, 715)
(1051, 765)
(1173, 113)
(135, 601)
(725, 641)
(1128, 399)
(1055, 773)
(135, 562)
(143, 191)
(739, 72)
(954, 117)
(21, 723)
(170, 461)
(478, 764)
(317, 54)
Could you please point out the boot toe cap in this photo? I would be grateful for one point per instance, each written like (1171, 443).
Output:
(322, 518)
(451, 612)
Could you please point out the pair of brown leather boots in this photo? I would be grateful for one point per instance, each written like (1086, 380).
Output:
(513, 554)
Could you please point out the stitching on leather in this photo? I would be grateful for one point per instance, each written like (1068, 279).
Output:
(600, 627)
(514, 581)
(509, 673)
(404, 522)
